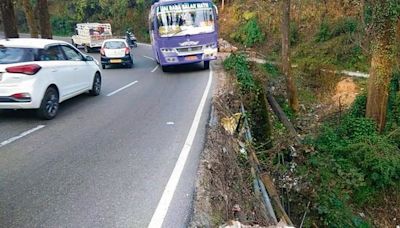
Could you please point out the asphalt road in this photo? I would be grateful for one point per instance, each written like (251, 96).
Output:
(105, 161)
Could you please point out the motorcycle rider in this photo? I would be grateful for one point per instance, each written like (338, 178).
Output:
(130, 38)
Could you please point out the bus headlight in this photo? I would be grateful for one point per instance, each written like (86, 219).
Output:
(210, 46)
(167, 50)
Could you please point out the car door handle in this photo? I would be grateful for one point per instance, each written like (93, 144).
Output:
(54, 70)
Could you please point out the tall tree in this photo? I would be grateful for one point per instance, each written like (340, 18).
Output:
(286, 63)
(30, 18)
(385, 14)
(44, 20)
(9, 19)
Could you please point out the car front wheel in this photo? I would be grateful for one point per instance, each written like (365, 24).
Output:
(50, 103)
(96, 87)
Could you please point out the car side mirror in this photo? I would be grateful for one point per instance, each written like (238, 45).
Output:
(89, 58)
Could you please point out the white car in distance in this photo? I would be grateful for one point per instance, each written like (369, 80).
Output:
(39, 74)
(116, 51)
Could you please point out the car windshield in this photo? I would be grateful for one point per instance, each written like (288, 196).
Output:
(185, 19)
(16, 55)
(114, 45)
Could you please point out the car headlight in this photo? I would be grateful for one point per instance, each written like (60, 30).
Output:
(97, 62)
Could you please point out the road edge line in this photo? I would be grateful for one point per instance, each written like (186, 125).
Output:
(169, 190)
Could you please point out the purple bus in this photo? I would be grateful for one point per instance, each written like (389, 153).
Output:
(184, 31)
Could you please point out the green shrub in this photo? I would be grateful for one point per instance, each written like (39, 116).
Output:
(257, 106)
(249, 34)
(294, 34)
(347, 25)
(240, 66)
(351, 56)
(323, 33)
(356, 128)
(326, 31)
(352, 165)
(272, 70)
(394, 101)
(62, 26)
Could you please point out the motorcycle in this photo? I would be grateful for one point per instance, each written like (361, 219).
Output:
(131, 39)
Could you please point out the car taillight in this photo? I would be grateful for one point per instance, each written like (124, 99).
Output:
(29, 69)
(127, 51)
(102, 51)
(21, 96)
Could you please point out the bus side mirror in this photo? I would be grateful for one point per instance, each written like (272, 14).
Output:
(216, 10)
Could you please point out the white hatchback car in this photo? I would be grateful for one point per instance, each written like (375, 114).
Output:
(40, 74)
(116, 51)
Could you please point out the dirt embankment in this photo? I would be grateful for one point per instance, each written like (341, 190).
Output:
(225, 185)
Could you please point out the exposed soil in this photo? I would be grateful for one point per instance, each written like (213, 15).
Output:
(345, 93)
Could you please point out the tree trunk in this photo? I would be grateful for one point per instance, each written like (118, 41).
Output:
(222, 5)
(9, 19)
(286, 63)
(44, 20)
(380, 74)
(362, 13)
(30, 18)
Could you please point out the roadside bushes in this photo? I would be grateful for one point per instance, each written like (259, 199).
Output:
(347, 25)
(249, 33)
(351, 165)
(239, 65)
(62, 26)
(254, 98)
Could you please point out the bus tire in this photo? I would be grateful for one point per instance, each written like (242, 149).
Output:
(206, 65)
(165, 68)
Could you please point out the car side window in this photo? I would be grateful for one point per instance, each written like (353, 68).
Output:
(52, 53)
(71, 53)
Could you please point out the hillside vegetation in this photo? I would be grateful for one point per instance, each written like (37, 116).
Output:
(345, 170)
(122, 14)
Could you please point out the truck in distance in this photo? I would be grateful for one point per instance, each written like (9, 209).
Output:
(91, 35)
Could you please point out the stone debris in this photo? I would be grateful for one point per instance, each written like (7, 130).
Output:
(237, 224)
(225, 46)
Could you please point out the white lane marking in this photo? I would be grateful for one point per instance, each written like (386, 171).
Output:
(148, 57)
(144, 44)
(163, 205)
(170, 123)
(122, 88)
(155, 68)
(23, 134)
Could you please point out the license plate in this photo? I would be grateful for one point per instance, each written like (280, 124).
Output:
(191, 58)
(115, 61)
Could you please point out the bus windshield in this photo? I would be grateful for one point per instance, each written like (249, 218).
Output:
(185, 19)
